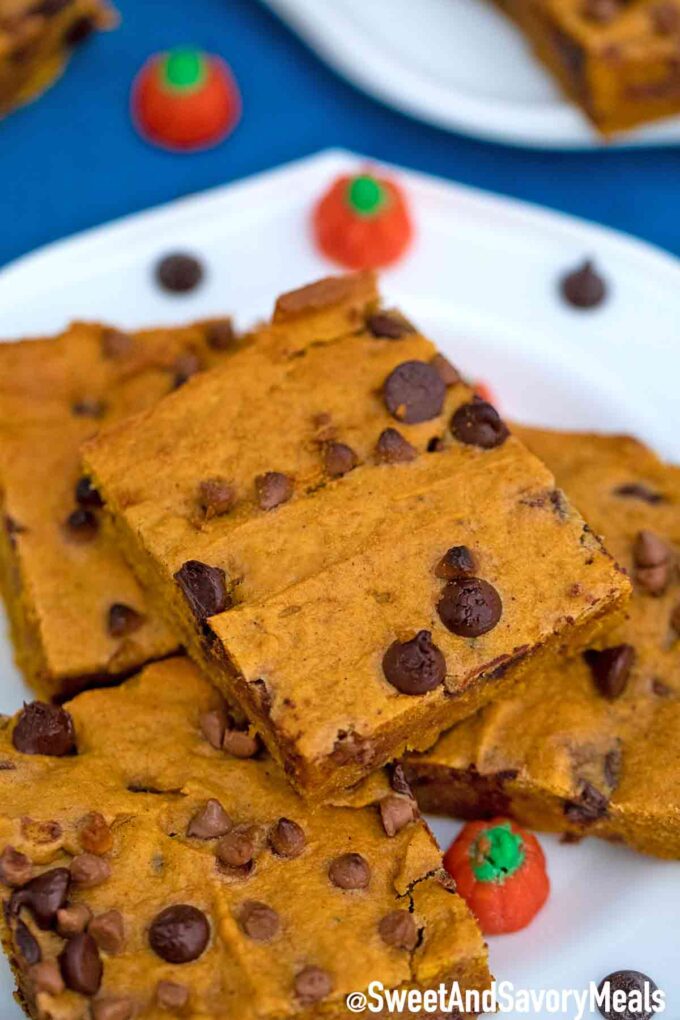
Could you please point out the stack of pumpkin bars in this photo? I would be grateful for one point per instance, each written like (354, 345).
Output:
(319, 585)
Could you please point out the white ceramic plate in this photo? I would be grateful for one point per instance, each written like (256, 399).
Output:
(459, 64)
(481, 281)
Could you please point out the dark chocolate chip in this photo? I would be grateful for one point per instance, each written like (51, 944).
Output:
(634, 490)
(123, 620)
(259, 921)
(350, 871)
(450, 376)
(216, 496)
(584, 287)
(81, 525)
(87, 495)
(398, 780)
(415, 666)
(338, 459)
(478, 424)
(79, 31)
(456, 562)
(179, 934)
(312, 984)
(611, 669)
(272, 489)
(204, 587)
(470, 607)
(414, 392)
(392, 448)
(44, 895)
(116, 344)
(88, 407)
(220, 335)
(398, 929)
(590, 806)
(81, 965)
(287, 838)
(27, 944)
(179, 273)
(389, 325)
(435, 444)
(638, 990)
(44, 729)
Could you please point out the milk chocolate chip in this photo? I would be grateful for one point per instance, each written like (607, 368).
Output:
(44, 729)
(272, 489)
(398, 929)
(338, 459)
(611, 669)
(210, 821)
(259, 921)
(392, 448)
(350, 871)
(81, 965)
(287, 838)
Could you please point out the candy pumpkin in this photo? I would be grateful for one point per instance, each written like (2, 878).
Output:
(500, 872)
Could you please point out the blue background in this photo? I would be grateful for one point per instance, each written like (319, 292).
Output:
(73, 160)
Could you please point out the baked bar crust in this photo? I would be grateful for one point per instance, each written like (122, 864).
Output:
(292, 606)
(61, 575)
(290, 931)
(571, 754)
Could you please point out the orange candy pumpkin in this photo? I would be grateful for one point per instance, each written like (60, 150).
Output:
(500, 872)
(363, 222)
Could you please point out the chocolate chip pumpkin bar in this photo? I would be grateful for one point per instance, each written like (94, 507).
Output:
(617, 59)
(78, 615)
(37, 38)
(589, 746)
(147, 874)
(354, 547)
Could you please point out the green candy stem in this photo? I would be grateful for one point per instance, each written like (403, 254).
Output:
(496, 854)
(366, 196)
(184, 70)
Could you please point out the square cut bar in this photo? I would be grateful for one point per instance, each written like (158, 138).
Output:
(78, 615)
(185, 881)
(352, 467)
(617, 60)
(589, 747)
(37, 38)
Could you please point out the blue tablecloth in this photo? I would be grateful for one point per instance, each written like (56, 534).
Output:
(73, 160)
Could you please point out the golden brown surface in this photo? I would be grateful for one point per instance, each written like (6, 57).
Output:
(539, 754)
(321, 586)
(145, 766)
(617, 60)
(36, 40)
(59, 584)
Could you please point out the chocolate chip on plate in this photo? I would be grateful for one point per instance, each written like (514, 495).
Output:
(81, 525)
(287, 838)
(179, 273)
(44, 895)
(392, 448)
(338, 459)
(416, 666)
(210, 821)
(259, 921)
(204, 587)
(398, 929)
(123, 620)
(414, 392)
(216, 496)
(635, 988)
(81, 965)
(44, 729)
(469, 607)
(478, 423)
(312, 984)
(456, 562)
(179, 934)
(389, 325)
(611, 669)
(272, 489)
(584, 287)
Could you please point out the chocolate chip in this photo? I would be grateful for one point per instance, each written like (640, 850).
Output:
(350, 747)
(350, 871)
(88, 407)
(389, 325)
(470, 607)
(46, 977)
(287, 838)
(584, 287)
(435, 444)
(654, 580)
(179, 934)
(81, 525)
(12, 529)
(116, 344)
(15, 867)
(212, 726)
(87, 495)
(108, 931)
(611, 669)
(186, 366)
(392, 448)
(172, 996)
(637, 989)
(210, 821)
(73, 919)
(179, 273)
(240, 743)
(204, 587)
(259, 921)
(665, 18)
(449, 375)
(398, 780)
(398, 929)
(612, 767)
(216, 496)
(79, 31)
(396, 813)
(81, 965)
(414, 392)
(94, 834)
(456, 562)
(312, 984)
(123, 620)
(601, 11)
(220, 334)
(649, 550)
(415, 666)
(237, 848)
(44, 729)
(634, 490)
(43, 896)
(590, 806)
(27, 944)
(113, 1009)
(88, 870)
(478, 424)
(338, 459)
(272, 489)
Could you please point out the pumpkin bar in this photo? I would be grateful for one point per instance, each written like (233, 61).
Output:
(589, 747)
(37, 38)
(149, 874)
(353, 546)
(617, 60)
(78, 615)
